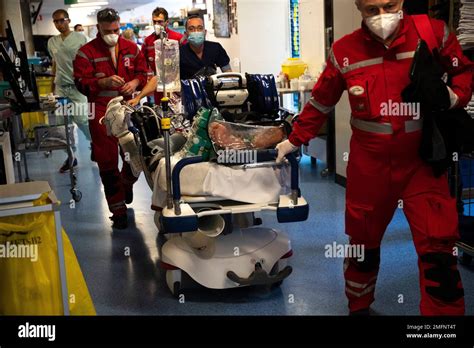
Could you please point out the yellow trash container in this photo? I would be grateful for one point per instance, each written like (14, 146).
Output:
(34, 119)
(294, 67)
(45, 85)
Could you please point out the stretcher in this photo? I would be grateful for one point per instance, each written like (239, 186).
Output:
(206, 211)
(219, 243)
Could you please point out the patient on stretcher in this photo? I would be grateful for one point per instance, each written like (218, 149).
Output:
(208, 134)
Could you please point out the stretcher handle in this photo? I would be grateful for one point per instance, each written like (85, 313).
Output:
(198, 159)
(177, 171)
(295, 186)
(291, 157)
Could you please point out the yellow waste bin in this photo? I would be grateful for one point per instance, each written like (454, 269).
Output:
(45, 85)
(293, 67)
(31, 120)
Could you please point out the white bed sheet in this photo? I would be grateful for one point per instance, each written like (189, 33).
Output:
(253, 185)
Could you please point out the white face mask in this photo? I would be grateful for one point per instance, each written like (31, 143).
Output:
(158, 29)
(111, 39)
(385, 24)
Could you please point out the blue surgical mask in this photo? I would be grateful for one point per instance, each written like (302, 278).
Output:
(196, 38)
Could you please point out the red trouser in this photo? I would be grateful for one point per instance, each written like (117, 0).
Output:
(105, 150)
(383, 169)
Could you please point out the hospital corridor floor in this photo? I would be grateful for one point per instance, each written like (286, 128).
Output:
(131, 283)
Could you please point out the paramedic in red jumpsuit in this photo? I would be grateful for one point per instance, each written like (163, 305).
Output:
(105, 68)
(160, 22)
(384, 166)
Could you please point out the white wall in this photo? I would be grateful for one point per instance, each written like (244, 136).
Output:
(143, 13)
(312, 34)
(232, 44)
(11, 11)
(346, 19)
(44, 26)
(264, 35)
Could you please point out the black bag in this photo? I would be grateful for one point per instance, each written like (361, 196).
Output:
(445, 131)
(263, 94)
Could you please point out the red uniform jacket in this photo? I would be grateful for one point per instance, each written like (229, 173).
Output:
(374, 75)
(94, 61)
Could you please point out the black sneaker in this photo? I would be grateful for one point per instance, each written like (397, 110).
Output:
(65, 167)
(120, 222)
(92, 153)
(129, 196)
(365, 312)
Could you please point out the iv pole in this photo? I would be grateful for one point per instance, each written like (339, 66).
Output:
(165, 123)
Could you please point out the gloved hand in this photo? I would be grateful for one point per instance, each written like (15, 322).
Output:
(453, 98)
(114, 119)
(284, 148)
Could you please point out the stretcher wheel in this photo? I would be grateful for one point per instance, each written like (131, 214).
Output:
(47, 153)
(465, 259)
(325, 173)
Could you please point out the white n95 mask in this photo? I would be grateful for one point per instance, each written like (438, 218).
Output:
(385, 24)
(111, 39)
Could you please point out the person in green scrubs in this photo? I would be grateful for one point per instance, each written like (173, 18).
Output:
(63, 49)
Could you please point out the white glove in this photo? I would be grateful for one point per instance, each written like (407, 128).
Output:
(115, 102)
(453, 97)
(115, 119)
(284, 148)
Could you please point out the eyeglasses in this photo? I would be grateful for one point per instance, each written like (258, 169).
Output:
(108, 14)
(160, 22)
(198, 28)
(60, 20)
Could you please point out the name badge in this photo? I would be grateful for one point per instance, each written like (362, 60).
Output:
(356, 90)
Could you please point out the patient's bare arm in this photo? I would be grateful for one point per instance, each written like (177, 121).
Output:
(224, 136)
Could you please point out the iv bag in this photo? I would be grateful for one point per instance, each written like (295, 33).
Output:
(167, 65)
